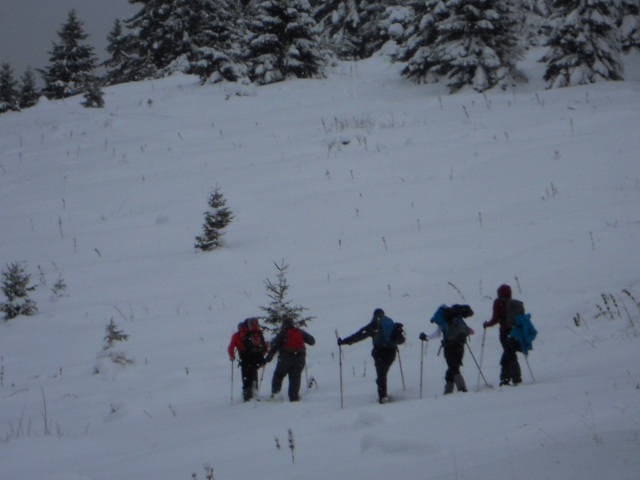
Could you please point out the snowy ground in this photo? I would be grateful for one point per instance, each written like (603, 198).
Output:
(377, 193)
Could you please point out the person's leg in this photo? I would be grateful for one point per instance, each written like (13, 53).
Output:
(278, 376)
(383, 359)
(295, 376)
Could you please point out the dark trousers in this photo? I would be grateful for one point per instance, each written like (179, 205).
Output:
(383, 358)
(249, 366)
(291, 365)
(453, 354)
(510, 368)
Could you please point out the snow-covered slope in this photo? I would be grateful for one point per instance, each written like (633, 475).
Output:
(377, 193)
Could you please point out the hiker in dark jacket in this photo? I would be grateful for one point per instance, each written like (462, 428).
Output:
(509, 366)
(249, 342)
(290, 343)
(383, 353)
(450, 325)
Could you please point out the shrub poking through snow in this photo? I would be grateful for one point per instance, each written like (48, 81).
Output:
(15, 286)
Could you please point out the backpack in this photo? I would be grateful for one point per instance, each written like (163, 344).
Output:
(398, 336)
(450, 320)
(253, 338)
(523, 333)
(384, 335)
(456, 330)
(512, 308)
(294, 340)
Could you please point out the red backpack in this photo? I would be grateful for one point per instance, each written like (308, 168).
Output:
(294, 341)
(253, 339)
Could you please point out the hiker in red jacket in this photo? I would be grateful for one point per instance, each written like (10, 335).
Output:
(249, 342)
(290, 343)
(509, 366)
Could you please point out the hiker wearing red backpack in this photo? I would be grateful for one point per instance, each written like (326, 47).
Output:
(386, 336)
(504, 310)
(290, 344)
(249, 342)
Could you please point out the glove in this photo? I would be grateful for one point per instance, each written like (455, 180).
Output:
(261, 362)
(423, 337)
(232, 359)
(340, 342)
(485, 324)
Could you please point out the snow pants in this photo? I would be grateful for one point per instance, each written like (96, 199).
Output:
(291, 365)
(510, 368)
(249, 366)
(383, 358)
(453, 353)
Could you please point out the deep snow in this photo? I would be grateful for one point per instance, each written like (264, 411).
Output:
(377, 193)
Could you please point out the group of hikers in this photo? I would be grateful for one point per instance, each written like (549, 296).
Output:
(516, 335)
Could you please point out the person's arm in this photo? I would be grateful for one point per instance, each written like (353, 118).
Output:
(496, 315)
(308, 338)
(232, 347)
(360, 335)
(276, 345)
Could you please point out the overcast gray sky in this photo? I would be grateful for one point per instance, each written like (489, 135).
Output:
(28, 28)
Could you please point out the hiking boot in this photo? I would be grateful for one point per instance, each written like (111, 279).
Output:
(448, 388)
(504, 382)
(384, 399)
(459, 381)
(516, 381)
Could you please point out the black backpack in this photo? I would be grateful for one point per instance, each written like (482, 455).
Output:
(456, 330)
(512, 308)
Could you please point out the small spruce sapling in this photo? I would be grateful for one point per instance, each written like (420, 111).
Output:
(111, 338)
(16, 287)
(215, 220)
(280, 307)
(93, 96)
(113, 335)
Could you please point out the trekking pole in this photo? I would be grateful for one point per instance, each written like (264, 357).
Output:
(423, 352)
(526, 359)
(401, 372)
(484, 335)
(264, 367)
(232, 383)
(341, 387)
(479, 370)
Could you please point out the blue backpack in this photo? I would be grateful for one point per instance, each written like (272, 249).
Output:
(385, 337)
(523, 333)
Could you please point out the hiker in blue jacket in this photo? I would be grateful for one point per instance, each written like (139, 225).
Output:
(451, 326)
(386, 335)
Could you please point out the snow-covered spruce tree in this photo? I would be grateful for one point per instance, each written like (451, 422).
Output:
(9, 93)
(476, 44)
(93, 96)
(215, 220)
(533, 15)
(217, 52)
(283, 42)
(584, 44)
(630, 25)
(162, 32)
(16, 287)
(350, 28)
(71, 64)
(29, 92)
(118, 48)
(190, 36)
(280, 307)
(417, 50)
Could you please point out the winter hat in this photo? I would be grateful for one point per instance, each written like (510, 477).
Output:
(378, 313)
(504, 291)
(287, 322)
